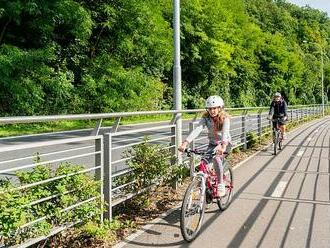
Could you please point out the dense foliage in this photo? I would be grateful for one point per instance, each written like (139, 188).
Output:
(31, 212)
(77, 56)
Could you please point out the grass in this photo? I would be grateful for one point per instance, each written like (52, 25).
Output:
(7, 130)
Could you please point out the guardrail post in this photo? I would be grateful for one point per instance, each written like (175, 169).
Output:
(115, 125)
(192, 146)
(244, 133)
(259, 124)
(174, 151)
(307, 112)
(304, 112)
(96, 130)
(174, 146)
(175, 140)
(99, 173)
(107, 180)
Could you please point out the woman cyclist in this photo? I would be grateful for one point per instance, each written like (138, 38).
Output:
(217, 122)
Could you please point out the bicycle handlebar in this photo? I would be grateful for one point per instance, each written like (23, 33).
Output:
(189, 151)
(277, 118)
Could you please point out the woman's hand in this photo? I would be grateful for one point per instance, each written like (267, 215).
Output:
(183, 146)
(220, 149)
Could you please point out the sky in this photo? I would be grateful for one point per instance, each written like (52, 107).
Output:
(323, 5)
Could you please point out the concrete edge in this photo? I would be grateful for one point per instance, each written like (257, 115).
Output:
(144, 228)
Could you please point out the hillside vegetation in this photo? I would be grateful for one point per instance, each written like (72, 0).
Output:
(78, 56)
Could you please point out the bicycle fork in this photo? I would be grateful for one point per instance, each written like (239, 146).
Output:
(201, 177)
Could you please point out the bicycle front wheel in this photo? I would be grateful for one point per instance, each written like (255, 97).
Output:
(228, 178)
(280, 139)
(192, 210)
(275, 142)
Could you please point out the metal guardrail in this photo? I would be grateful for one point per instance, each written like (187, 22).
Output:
(103, 153)
(47, 118)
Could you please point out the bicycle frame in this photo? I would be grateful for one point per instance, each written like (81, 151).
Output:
(276, 127)
(210, 178)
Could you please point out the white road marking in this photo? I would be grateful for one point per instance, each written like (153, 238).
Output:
(309, 139)
(279, 189)
(300, 152)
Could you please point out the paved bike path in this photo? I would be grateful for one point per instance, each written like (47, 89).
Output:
(279, 201)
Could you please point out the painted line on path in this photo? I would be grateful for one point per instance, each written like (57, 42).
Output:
(300, 152)
(278, 191)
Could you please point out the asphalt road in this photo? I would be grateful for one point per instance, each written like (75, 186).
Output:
(279, 201)
(117, 143)
(50, 153)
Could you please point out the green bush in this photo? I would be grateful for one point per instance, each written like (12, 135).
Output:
(179, 173)
(19, 207)
(150, 162)
(252, 139)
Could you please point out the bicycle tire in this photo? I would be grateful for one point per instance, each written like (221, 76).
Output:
(280, 139)
(187, 233)
(275, 142)
(224, 201)
(280, 145)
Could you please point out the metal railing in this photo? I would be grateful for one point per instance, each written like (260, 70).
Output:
(104, 153)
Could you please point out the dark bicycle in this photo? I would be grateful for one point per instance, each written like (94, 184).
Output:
(203, 189)
(277, 134)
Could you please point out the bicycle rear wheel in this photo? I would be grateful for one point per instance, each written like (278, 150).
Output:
(192, 210)
(228, 178)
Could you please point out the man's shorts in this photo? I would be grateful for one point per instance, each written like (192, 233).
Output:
(281, 121)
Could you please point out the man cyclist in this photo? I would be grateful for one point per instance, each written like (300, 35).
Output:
(278, 109)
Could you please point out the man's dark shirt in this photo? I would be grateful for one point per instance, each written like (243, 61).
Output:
(278, 109)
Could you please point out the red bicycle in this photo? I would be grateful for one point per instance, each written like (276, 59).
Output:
(203, 189)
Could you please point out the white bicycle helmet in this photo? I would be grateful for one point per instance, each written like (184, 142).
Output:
(214, 101)
(277, 94)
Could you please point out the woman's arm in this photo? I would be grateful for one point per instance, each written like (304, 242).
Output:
(226, 138)
(198, 129)
(194, 134)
